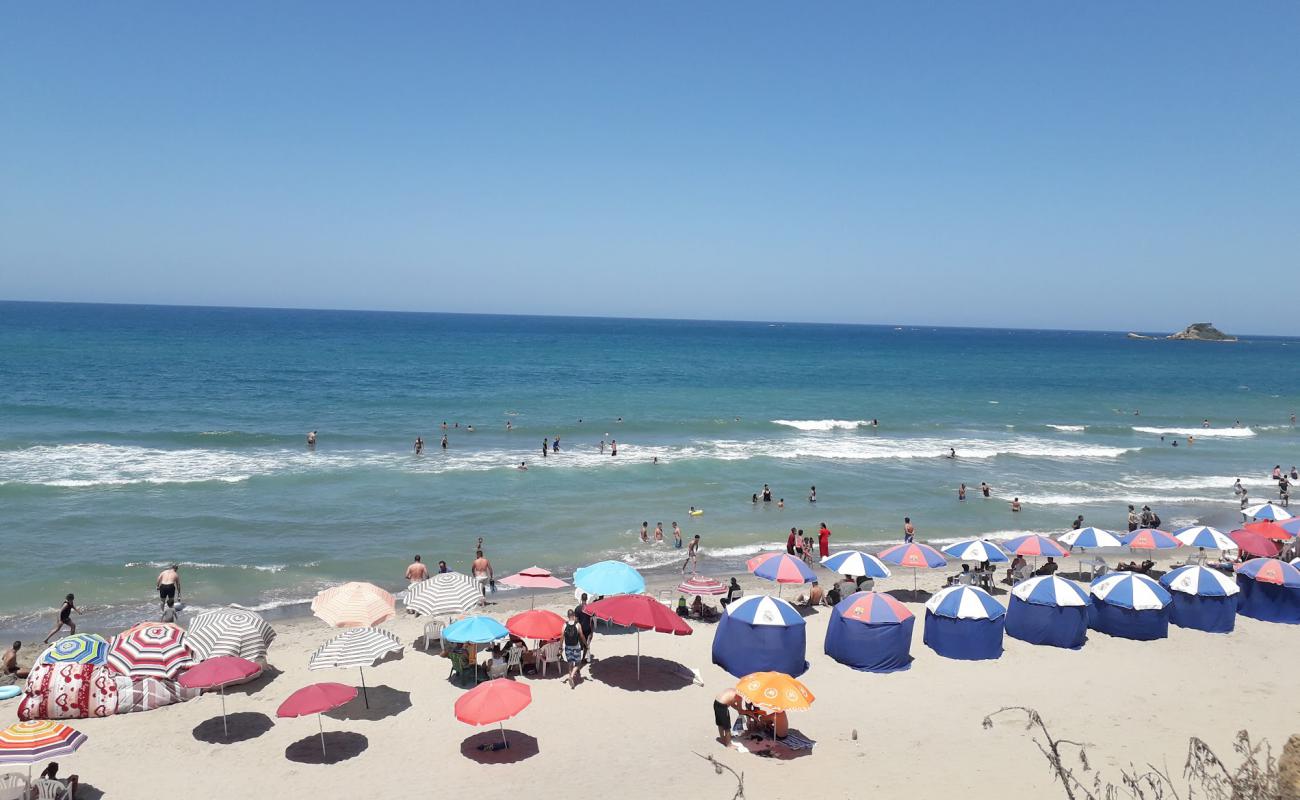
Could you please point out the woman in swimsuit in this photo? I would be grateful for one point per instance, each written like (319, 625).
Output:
(65, 618)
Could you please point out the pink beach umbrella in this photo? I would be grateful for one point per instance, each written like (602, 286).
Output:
(317, 699)
(218, 673)
(533, 578)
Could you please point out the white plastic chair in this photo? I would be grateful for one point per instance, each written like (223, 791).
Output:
(666, 597)
(551, 653)
(515, 659)
(13, 786)
(47, 789)
(432, 630)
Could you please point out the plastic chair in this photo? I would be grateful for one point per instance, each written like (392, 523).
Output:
(47, 789)
(13, 786)
(515, 659)
(666, 597)
(551, 653)
(459, 665)
(432, 630)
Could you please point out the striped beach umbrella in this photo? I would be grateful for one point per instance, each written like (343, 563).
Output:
(873, 608)
(79, 648)
(702, 586)
(1151, 539)
(761, 609)
(229, 632)
(775, 691)
(1199, 581)
(26, 743)
(965, 602)
(976, 550)
(1267, 511)
(1089, 538)
(914, 555)
(445, 594)
(353, 605)
(1130, 590)
(856, 564)
(356, 647)
(1269, 530)
(606, 578)
(1033, 544)
(1271, 570)
(150, 650)
(1205, 536)
(1291, 526)
(784, 568)
(1049, 590)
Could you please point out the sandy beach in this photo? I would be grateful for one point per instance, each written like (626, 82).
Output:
(918, 731)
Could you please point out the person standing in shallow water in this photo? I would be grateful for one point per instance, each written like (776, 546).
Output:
(909, 530)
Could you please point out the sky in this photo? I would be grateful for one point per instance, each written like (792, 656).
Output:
(1099, 165)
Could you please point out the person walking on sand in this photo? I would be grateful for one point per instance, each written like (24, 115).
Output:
(824, 541)
(1078, 522)
(482, 570)
(909, 530)
(575, 644)
(692, 555)
(722, 705)
(417, 571)
(65, 618)
(169, 585)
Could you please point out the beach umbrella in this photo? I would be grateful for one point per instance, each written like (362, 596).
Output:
(218, 673)
(1253, 544)
(965, 602)
(1271, 570)
(856, 564)
(26, 743)
(1048, 610)
(229, 632)
(606, 578)
(752, 564)
(317, 699)
(642, 612)
(448, 593)
(1034, 545)
(478, 629)
(494, 701)
(914, 555)
(1129, 605)
(1089, 538)
(1199, 581)
(354, 605)
(775, 691)
(1267, 511)
(533, 578)
(870, 631)
(1131, 590)
(976, 550)
(1291, 526)
(964, 622)
(150, 650)
(701, 586)
(1270, 590)
(356, 647)
(783, 569)
(79, 648)
(1269, 530)
(1204, 599)
(1205, 536)
(760, 633)
(1151, 539)
(539, 624)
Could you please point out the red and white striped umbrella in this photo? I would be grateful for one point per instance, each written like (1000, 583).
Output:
(150, 649)
(700, 585)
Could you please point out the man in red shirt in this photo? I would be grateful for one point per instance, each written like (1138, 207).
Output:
(824, 540)
(789, 543)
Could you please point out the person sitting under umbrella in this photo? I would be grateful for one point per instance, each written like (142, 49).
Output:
(51, 773)
(701, 610)
(815, 595)
(1047, 569)
(1018, 563)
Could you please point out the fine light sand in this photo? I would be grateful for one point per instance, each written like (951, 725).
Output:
(919, 731)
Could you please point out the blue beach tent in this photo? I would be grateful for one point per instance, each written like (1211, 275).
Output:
(964, 622)
(872, 632)
(1204, 599)
(1129, 605)
(1048, 610)
(760, 633)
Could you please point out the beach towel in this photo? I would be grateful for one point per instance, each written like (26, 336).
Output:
(68, 691)
(797, 741)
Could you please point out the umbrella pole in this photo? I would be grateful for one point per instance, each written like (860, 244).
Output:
(364, 696)
(224, 728)
(502, 726)
(322, 737)
(638, 656)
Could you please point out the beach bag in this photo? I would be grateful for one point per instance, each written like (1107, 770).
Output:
(68, 691)
(146, 694)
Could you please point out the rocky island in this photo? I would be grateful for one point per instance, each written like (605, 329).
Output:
(1197, 331)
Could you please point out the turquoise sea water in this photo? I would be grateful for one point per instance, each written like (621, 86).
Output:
(132, 436)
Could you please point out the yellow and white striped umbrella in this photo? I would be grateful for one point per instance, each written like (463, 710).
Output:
(354, 605)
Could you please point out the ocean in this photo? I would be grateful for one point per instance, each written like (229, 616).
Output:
(136, 436)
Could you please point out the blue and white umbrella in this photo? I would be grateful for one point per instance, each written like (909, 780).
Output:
(965, 602)
(1267, 511)
(856, 564)
(1049, 590)
(976, 550)
(609, 577)
(1089, 538)
(761, 609)
(1200, 581)
(1205, 536)
(1131, 590)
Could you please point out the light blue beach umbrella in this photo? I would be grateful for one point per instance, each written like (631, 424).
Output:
(478, 629)
(607, 578)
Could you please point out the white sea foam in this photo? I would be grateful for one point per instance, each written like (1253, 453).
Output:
(1229, 433)
(822, 424)
(272, 568)
(1069, 428)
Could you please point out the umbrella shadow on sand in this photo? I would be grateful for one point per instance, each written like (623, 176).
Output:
(385, 702)
(909, 595)
(657, 674)
(243, 725)
(257, 684)
(339, 746)
(479, 747)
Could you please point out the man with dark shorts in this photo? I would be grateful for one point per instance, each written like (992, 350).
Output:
(10, 672)
(722, 705)
(169, 585)
(585, 622)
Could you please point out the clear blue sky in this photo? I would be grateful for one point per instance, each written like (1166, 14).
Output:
(1112, 165)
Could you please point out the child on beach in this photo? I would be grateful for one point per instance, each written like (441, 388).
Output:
(65, 618)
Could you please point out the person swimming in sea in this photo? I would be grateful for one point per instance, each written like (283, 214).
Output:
(546, 448)
(645, 531)
(509, 426)
(1015, 504)
(659, 532)
(812, 494)
(311, 439)
(613, 447)
(780, 503)
(444, 441)
(952, 453)
(419, 445)
(753, 498)
(555, 445)
(767, 494)
(961, 492)
(523, 465)
(984, 489)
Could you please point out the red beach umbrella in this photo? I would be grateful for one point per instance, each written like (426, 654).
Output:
(218, 673)
(538, 624)
(1269, 530)
(317, 699)
(1254, 544)
(642, 612)
(495, 701)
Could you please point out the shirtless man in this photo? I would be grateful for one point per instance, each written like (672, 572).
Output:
(645, 531)
(984, 489)
(659, 532)
(692, 555)
(482, 569)
(722, 705)
(9, 670)
(169, 585)
(417, 571)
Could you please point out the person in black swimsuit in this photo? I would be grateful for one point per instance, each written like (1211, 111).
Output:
(65, 618)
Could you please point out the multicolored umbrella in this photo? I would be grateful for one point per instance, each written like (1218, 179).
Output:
(533, 578)
(354, 605)
(1291, 526)
(229, 632)
(976, 550)
(914, 555)
(79, 648)
(1252, 543)
(701, 586)
(1267, 511)
(1271, 570)
(218, 673)
(1205, 536)
(150, 650)
(606, 578)
(1269, 530)
(775, 691)
(445, 594)
(856, 564)
(1151, 539)
(538, 624)
(494, 701)
(872, 608)
(642, 612)
(38, 740)
(1049, 590)
(1032, 544)
(784, 568)
(965, 602)
(1130, 590)
(1199, 581)
(1089, 538)
(356, 647)
(317, 699)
